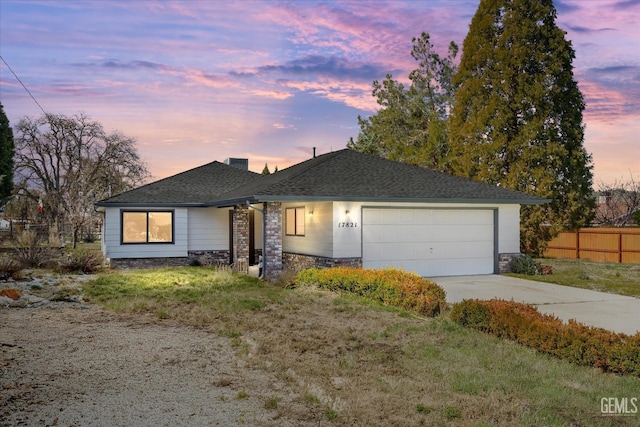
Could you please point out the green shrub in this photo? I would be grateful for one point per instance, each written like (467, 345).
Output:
(86, 261)
(572, 341)
(392, 287)
(525, 265)
(470, 314)
(9, 267)
(195, 262)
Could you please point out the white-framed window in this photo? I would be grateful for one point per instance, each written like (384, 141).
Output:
(294, 221)
(147, 227)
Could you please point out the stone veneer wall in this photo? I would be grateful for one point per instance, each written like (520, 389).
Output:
(204, 257)
(273, 237)
(299, 262)
(124, 263)
(241, 238)
(504, 261)
(210, 257)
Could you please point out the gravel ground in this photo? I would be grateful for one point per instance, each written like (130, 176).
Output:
(73, 364)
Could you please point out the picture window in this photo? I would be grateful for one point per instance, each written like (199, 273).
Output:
(147, 227)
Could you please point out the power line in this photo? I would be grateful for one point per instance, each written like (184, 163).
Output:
(25, 88)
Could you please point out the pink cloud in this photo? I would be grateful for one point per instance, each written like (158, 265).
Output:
(280, 95)
(357, 28)
(602, 104)
(207, 79)
(283, 126)
(352, 94)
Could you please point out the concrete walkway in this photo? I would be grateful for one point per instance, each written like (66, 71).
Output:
(609, 311)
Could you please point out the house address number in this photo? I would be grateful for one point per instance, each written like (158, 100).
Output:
(347, 224)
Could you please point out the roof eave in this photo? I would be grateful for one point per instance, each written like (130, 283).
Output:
(390, 199)
(146, 205)
(268, 198)
(226, 203)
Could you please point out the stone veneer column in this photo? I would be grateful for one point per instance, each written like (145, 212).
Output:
(273, 233)
(504, 261)
(241, 239)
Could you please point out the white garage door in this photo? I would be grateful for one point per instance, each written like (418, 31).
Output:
(429, 242)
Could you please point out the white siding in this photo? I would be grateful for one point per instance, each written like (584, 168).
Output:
(509, 229)
(347, 230)
(318, 236)
(114, 249)
(208, 229)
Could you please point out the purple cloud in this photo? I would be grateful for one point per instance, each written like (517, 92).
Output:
(321, 66)
(585, 30)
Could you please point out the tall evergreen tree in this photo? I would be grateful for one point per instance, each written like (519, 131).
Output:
(265, 170)
(517, 116)
(411, 127)
(6, 156)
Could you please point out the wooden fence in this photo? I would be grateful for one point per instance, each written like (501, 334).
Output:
(621, 245)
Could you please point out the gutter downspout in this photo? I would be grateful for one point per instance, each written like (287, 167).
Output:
(264, 237)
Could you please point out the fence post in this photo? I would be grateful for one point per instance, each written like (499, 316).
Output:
(620, 246)
(578, 243)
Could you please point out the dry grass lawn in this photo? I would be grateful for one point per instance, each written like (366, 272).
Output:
(623, 279)
(353, 362)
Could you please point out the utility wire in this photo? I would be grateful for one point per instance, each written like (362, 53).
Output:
(25, 88)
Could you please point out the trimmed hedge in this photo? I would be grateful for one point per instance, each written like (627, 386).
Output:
(390, 286)
(572, 341)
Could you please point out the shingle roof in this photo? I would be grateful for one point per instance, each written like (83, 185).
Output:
(193, 187)
(341, 175)
(350, 175)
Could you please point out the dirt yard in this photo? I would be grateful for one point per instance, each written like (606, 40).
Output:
(70, 364)
(308, 358)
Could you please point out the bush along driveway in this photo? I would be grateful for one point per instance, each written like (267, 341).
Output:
(616, 313)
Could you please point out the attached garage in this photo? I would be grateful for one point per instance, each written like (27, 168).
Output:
(430, 242)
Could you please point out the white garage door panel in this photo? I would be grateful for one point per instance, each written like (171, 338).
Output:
(429, 242)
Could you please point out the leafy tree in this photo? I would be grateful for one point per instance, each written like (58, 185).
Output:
(71, 162)
(517, 116)
(266, 171)
(411, 126)
(6, 157)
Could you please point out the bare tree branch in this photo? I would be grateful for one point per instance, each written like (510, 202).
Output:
(618, 202)
(71, 162)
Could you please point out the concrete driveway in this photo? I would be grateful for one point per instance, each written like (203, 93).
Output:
(609, 311)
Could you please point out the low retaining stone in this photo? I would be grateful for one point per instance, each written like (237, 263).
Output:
(504, 261)
(298, 262)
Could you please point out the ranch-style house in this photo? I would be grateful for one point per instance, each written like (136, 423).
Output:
(343, 208)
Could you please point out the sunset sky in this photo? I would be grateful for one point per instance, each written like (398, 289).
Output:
(197, 81)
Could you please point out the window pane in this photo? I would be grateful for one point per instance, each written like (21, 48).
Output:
(300, 221)
(134, 227)
(290, 226)
(160, 229)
